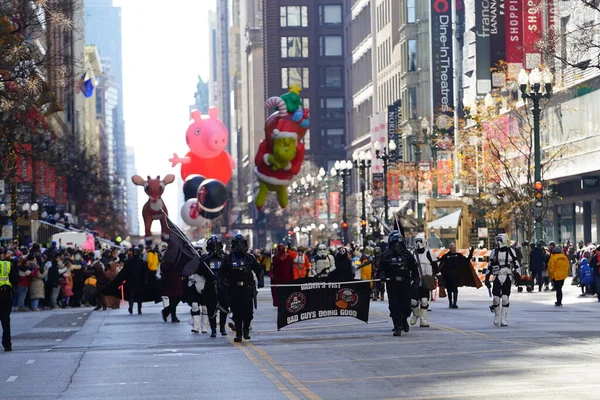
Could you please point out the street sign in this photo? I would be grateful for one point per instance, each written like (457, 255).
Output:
(590, 182)
(482, 232)
(2, 190)
(7, 232)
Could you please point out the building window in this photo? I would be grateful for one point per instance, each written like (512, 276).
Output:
(293, 16)
(294, 76)
(333, 107)
(412, 55)
(410, 11)
(306, 103)
(294, 47)
(330, 14)
(331, 77)
(332, 138)
(412, 102)
(306, 140)
(330, 46)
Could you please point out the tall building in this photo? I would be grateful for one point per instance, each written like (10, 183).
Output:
(304, 45)
(132, 193)
(102, 22)
(213, 45)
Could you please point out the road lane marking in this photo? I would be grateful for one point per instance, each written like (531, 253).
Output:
(12, 378)
(278, 384)
(424, 355)
(58, 340)
(30, 361)
(445, 373)
(73, 323)
(79, 317)
(284, 373)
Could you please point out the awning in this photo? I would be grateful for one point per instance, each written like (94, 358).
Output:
(449, 221)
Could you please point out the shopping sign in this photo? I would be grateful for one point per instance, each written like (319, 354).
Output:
(307, 299)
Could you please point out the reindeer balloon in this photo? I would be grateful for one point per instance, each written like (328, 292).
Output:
(154, 207)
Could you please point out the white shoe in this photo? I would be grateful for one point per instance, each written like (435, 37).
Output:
(423, 314)
(504, 316)
(415, 315)
(497, 316)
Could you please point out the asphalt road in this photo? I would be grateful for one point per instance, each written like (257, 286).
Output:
(546, 352)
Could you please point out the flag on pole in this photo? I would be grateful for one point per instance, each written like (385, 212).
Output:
(86, 84)
(181, 253)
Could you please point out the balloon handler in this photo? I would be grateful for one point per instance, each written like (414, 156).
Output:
(280, 155)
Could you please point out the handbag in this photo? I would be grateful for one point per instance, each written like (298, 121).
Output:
(428, 281)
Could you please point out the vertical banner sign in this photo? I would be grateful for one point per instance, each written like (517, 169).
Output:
(392, 130)
(513, 24)
(25, 163)
(442, 67)
(497, 40)
(444, 185)
(482, 47)
(40, 179)
(532, 16)
(378, 133)
(334, 204)
(51, 182)
(393, 184)
(61, 190)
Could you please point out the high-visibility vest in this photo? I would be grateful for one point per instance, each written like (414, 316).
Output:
(4, 273)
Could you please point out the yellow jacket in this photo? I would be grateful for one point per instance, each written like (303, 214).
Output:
(558, 267)
(152, 260)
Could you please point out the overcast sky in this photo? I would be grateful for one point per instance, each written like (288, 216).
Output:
(165, 48)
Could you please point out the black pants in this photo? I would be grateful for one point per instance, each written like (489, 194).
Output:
(537, 276)
(6, 298)
(558, 285)
(241, 299)
(451, 284)
(173, 303)
(399, 294)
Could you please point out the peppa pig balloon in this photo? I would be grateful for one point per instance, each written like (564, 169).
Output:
(207, 139)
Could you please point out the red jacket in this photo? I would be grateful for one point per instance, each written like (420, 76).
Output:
(282, 269)
(281, 177)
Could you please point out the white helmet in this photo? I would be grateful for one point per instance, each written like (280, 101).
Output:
(322, 250)
(502, 240)
(421, 242)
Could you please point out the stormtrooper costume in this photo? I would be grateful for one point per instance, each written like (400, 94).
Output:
(502, 261)
(195, 285)
(428, 266)
(323, 263)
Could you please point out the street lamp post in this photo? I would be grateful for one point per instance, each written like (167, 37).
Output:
(384, 155)
(417, 142)
(343, 168)
(431, 137)
(362, 162)
(531, 89)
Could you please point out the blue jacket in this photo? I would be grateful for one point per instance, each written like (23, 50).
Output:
(537, 260)
(585, 273)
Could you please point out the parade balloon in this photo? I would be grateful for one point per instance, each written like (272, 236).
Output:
(190, 213)
(212, 198)
(191, 186)
(280, 155)
(207, 139)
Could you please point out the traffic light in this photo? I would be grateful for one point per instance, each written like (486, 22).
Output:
(345, 225)
(538, 194)
(363, 224)
(227, 236)
(291, 233)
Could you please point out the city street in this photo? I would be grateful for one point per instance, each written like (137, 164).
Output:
(546, 352)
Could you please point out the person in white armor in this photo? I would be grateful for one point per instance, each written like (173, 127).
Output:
(322, 263)
(502, 261)
(428, 269)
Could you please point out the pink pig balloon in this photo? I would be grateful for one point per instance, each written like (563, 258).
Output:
(207, 139)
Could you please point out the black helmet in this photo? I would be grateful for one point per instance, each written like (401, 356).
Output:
(214, 244)
(396, 242)
(239, 244)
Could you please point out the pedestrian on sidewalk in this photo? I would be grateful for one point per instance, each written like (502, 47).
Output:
(8, 280)
(36, 284)
(595, 266)
(537, 263)
(558, 270)
(23, 285)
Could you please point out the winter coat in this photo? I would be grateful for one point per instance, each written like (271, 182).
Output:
(66, 284)
(558, 266)
(152, 260)
(343, 271)
(585, 274)
(171, 281)
(282, 268)
(36, 284)
(537, 260)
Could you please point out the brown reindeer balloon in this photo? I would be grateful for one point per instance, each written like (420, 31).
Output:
(154, 207)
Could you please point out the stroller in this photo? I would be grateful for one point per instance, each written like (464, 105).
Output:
(524, 280)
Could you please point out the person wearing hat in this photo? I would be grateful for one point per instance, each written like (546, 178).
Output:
(8, 280)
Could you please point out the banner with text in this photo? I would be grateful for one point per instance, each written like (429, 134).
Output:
(513, 24)
(308, 299)
(442, 68)
(394, 115)
(482, 47)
